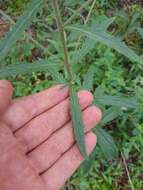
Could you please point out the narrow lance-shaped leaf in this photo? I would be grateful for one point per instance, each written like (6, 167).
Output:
(133, 24)
(140, 30)
(89, 43)
(110, 114)
(103, 22)
(88, 78)
(119, 101)
(105, 140)
(23, 68)
(88, 163)
(104, 37)
(106, 143)
(58, 77)
(77, 121)
(21, 25)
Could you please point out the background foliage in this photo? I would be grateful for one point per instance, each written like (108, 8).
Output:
(116, 82)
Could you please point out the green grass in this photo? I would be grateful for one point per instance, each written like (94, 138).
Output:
(113, 72)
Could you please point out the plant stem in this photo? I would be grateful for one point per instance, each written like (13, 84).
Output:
(90, 11)
(74, 102)
(86, 21)
(62, 36)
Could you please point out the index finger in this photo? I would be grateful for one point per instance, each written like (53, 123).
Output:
(24, 109)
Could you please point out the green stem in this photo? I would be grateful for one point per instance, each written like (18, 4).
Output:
(86, 21)
(62, 36)
(74, 104)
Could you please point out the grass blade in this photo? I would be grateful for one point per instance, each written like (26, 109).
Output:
(77, 122)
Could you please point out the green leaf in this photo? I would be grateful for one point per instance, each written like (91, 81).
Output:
(122, 14)
(103, 22)
(110, 114)
(106, 143)
(77, 121)
(140, 31)
(88, 45)
(21, 25)
(134, 23)
(88, 78)
(120, 101)
(23, 68)
(54, 71)
(135, 19)
(96, 33)
(88, 163)
(105, 140)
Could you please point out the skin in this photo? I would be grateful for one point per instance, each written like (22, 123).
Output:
(37, 146)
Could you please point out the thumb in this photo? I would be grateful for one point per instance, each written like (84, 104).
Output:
(5, 94)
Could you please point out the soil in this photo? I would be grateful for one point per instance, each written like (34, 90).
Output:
(4, 27)
(125, 3)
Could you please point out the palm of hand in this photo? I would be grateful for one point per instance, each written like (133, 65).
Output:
(37, 146)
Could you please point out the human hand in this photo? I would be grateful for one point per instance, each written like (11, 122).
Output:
(37, 146)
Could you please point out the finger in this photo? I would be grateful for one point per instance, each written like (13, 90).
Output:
(24, 109)
(40, 128)
(57, 175)
(47, 153)
(5, 94)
